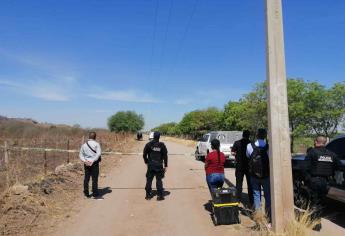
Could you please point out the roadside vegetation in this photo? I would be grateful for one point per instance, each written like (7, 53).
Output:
(314, 109)
(126, 121)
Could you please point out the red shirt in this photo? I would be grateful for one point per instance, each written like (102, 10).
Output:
(212, 165)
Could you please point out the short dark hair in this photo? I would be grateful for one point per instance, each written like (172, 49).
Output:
(92, 135)
(156, 135)
(246, 133)
(261, 133)
(321, 140)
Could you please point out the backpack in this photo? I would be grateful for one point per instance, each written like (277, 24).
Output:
(258, 162)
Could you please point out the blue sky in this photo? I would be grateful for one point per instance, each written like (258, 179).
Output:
(78, 62)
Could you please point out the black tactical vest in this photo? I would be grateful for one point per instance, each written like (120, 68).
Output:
(155, 154)
(322, 162)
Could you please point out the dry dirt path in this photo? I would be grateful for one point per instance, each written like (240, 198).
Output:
(124, 211)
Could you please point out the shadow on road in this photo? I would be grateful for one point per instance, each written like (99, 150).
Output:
(208, 208)
(104, 191)
(334, 211)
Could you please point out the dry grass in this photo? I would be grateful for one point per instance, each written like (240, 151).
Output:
(187, 142)
(302, 225)
(28, 165)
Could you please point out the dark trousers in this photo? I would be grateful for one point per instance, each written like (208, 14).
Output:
(150, 174)
(239, 183)
(93, 172)
(319, 190)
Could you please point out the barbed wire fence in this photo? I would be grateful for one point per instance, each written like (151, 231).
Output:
(25, 160)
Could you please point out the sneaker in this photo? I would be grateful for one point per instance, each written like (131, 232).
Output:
(160, 198)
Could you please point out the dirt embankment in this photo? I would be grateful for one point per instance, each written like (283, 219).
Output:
(36, 207)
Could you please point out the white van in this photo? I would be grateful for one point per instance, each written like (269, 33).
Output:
(151, 135)
(226, 138)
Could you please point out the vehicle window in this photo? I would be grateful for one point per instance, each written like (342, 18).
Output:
(222, 138)
(229, 138)
(205, 138)
(213, 136)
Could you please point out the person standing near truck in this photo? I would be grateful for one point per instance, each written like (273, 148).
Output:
(214, 166)
(258, 163)
(156, 158)
(242, 169)
(323, 164)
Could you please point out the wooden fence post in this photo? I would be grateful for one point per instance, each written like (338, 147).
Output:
(45, 158)
(68, 160)
(7, 165)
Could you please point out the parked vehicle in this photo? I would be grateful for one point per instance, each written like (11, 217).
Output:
(337, 183)
(226, 138)
(139, 136)
(151, 135)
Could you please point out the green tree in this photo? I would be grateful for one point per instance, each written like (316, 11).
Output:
(325, 108)
(250, 112)
(199, 121)
(167, 128)
(126, 121)
(297, 89)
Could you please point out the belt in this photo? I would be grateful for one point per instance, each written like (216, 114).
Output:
(226, 204)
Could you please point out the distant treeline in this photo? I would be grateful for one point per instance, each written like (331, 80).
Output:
(313, 109)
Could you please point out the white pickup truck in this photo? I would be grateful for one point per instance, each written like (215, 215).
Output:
(226, 138)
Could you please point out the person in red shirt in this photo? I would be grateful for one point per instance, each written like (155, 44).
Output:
(214, 166)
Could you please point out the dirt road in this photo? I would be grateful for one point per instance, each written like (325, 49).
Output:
(124, 211)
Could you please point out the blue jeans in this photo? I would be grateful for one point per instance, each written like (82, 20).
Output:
(215, 180)
(256, 185)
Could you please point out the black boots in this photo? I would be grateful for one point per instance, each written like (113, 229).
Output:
(160, 198)
(149, 196)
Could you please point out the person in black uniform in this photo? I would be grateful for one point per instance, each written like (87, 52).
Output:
(242, 169)
(155, 156)
(322, 164)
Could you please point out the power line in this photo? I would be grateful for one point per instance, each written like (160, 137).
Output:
(165, 37)
(184, 35)
(153, 38)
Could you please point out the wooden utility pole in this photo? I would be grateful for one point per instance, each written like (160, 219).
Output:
(7, 165)
(279, 136)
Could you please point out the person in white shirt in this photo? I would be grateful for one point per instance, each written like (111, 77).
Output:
(257, 153)
(90, 155)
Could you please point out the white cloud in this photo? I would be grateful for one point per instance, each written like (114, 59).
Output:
(41, 89)
(125, 96)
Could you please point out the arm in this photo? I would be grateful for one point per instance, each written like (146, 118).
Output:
(145, 153)
(207, 160)
(234, 149)
(98, 152)
(81, 154)
(249, 150)
(165, 155)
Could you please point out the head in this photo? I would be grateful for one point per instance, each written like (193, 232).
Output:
(92, 135)
(156, 136)
(215, 144)
(246, 134)
(320, 141)
(261, 133)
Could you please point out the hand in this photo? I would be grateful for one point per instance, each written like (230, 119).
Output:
(88, 163)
